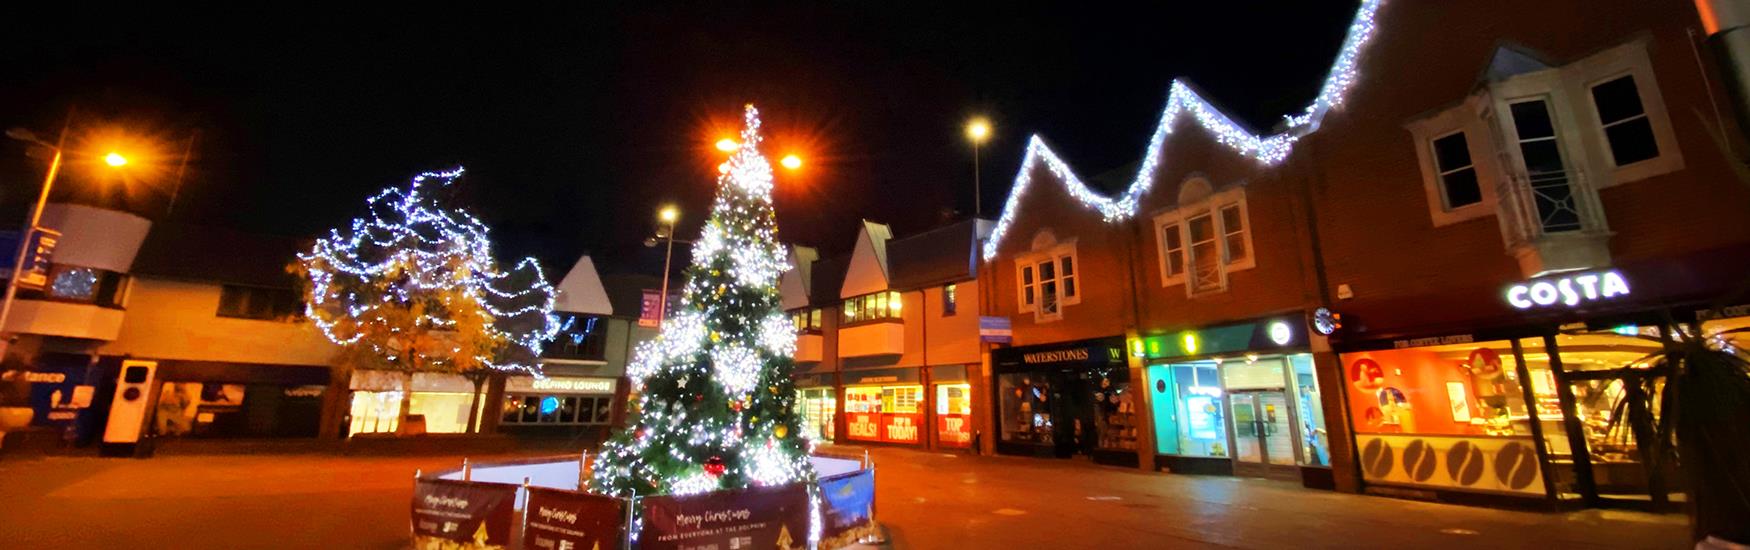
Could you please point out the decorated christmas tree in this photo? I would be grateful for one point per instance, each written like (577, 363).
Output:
(715, 398)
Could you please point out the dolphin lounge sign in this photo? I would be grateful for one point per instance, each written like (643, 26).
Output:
(1569, 290)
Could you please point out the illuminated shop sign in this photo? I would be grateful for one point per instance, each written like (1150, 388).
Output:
(1568, 290)
(560, 384)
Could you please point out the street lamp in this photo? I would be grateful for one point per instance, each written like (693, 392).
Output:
(791, 162)
(977, 130)
(667, 216)
(115, 160)
(727, 145)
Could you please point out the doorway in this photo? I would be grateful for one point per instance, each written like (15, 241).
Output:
(1263, 426)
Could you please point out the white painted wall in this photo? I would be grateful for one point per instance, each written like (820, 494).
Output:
(95, 237)
(169, 319)
(868, 270)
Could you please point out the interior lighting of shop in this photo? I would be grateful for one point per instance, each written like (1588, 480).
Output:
(1269, 150)
(1569, 290)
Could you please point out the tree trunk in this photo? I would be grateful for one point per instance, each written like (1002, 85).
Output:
(474, 405)
(406, 403)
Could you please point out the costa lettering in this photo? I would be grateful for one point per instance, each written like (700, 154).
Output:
(1569, 291)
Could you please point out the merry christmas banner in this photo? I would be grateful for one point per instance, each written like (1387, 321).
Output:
(560, 519)
(761, 517)
(462, 514)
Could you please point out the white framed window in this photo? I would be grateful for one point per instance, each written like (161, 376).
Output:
(1628, 131)
(1458, 163)
(1047, 280)
(1203, 240)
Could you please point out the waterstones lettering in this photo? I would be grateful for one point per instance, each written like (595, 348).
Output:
(1056, 356)
(1568, 290)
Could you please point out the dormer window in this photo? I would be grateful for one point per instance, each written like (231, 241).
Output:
(879, 306)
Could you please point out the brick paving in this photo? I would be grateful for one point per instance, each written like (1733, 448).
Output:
(927, 500)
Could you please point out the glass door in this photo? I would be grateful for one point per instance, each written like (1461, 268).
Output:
(1263, 435)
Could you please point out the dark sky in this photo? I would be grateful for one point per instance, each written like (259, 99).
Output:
(575, 122)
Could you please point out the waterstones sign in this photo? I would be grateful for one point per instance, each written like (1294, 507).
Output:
(1568, 290)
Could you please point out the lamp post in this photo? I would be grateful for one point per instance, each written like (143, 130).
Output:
(977, 130)
(36, 216)
(668, 216)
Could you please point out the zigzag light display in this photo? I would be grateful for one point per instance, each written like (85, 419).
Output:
(1182, 100)
(411, 249)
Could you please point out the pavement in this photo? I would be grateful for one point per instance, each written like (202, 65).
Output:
(926, 500)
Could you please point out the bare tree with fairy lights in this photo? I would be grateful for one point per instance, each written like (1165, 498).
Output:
(715, 398)
(414, 288)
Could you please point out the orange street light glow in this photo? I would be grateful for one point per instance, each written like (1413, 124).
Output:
(727, 145)
(669, 214)
(792, 162)
(978, 130)
(115, 159)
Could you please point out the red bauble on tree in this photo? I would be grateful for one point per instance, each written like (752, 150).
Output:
(714, 466)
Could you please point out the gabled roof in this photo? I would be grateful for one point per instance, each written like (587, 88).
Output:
(868, 271)
(1182, 100)
(829, 278)
(217, 255)
(942, 255)
(581, 290)
(793, 287)
(626, 291)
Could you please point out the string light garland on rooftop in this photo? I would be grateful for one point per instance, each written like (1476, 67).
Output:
(1182, 100)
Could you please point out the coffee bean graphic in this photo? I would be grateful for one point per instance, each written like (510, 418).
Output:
(1464, 462)
(1419, 461)
(1515, 466)
(1376, 459)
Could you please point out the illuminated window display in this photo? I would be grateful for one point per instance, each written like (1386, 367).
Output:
(1260, 411)
(954, 415)
(889, 414)
(818, 405)
(1066, 399)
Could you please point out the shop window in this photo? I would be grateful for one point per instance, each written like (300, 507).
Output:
(580, 338)
(261, 303)
(817, 405)
(379, 411)
(1315, 448)
(807, 320)
(950, 300)
(538, 409)
(954, 415)
(1190, 415)
(1026, 409)
(1459, 186)
(880, 306)
(884, 413)
(1205, 239)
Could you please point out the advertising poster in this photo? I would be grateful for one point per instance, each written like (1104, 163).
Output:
(884, 427)
(954, 430)
(462, 514)
(569, 520)
(847, 508)
(763, 517)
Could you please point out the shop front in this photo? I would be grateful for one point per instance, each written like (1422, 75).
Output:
(1540, 407)
(953, 406)
(1239, 399)
(202, 399)
(1066, 399)
(566, 406)
(817, 401)
(884, 406)
(439, 402)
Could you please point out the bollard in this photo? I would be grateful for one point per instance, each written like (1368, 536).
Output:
(582, 469)
(467, 470)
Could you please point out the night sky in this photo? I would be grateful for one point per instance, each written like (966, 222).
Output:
(576, 122)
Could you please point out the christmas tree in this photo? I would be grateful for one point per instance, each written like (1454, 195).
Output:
(715, 398)
(414, 288)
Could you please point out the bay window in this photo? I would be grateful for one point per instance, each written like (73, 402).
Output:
(1048, 280)
(1203, 240)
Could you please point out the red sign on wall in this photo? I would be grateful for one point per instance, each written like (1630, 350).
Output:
(954, 430)
(884, 427)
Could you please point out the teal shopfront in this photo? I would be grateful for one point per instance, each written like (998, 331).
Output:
(1237, 399)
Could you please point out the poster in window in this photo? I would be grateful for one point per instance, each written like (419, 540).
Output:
(1460, 401)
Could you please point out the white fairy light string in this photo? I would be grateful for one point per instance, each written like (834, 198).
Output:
(1182, 100)
(417, 246)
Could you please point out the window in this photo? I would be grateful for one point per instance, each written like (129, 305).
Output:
(1048, 287)
(557, 409)
(70, 283)
(1028, 289)
(1627, 129)
(950, 299)
(807, 320)
(1545, 169)
(1049, 279)
(1206, 238)
(580, 338)
(1457, 174)
(253, 302)
(1067, 271)
(1173, 245)
(879, 306)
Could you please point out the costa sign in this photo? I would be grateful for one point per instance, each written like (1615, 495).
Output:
(1568, 290)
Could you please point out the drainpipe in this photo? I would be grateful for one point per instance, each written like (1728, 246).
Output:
(1727, 24)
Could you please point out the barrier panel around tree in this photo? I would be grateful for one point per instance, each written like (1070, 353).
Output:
(473, 507)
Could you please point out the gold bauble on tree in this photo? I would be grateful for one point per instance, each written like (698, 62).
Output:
(781, 431)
